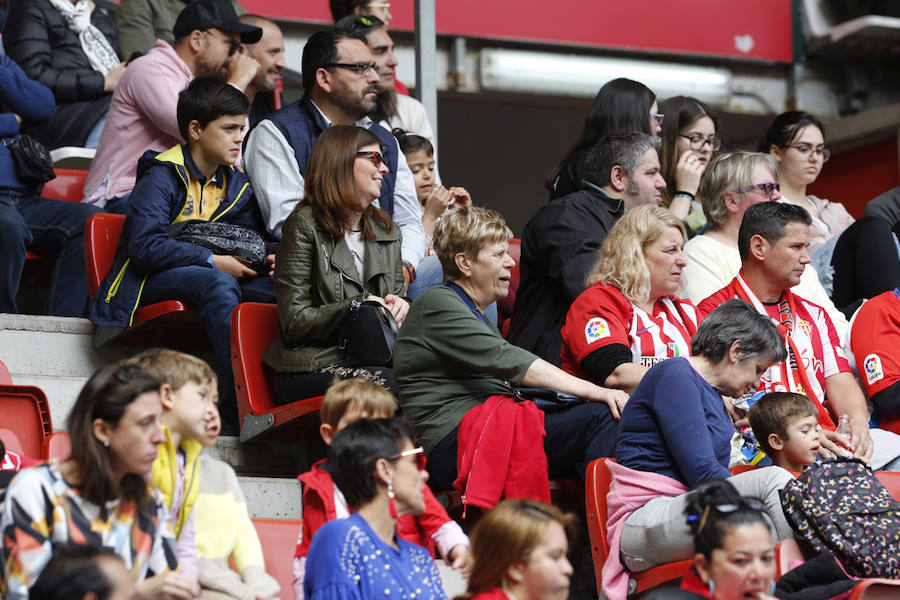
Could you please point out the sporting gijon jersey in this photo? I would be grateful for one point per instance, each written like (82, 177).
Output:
(602, 315)
(875, 341)
(813, 334)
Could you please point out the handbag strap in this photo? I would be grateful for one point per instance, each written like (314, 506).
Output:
(470, 303)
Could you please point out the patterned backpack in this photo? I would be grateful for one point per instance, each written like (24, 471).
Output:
(839, 506)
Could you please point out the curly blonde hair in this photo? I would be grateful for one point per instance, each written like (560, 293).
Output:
(621, 261)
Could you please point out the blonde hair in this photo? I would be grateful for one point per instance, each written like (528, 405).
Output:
(173, 367)
(508, 534)
(621, 261)
(359, 394)
(728, 171)
(467, 230)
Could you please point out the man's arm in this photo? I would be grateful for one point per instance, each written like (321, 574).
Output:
(275, 175)
(31, 100)
(845, 397)
(408, 212)
(155, 97)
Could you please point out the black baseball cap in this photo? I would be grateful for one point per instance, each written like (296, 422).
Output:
(208, 14)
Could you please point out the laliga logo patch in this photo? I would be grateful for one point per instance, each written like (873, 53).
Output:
(673, 350)
(872, 367)
(596, 329)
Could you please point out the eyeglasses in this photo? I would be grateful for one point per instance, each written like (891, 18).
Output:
(805, 149)
(419, 453)
(376, 157)
(657, 118)
(766, 188)
(698, 141)
(233, 45)
(358, 68)
(743, 503)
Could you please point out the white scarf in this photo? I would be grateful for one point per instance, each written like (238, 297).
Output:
(95, 45)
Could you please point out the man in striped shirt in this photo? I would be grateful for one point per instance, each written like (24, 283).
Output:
(774, 245)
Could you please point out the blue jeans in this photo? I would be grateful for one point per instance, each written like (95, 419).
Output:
(215, 294)
(45, 226)
(429, 273)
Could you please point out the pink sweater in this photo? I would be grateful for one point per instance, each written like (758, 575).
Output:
(628, 491)
(141, 117)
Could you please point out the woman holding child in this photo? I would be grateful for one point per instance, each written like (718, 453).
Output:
(99, 496)
(676, 433)
(631, 317)
(337, 249)
(450, 359)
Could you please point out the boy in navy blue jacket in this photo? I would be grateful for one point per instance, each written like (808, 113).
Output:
(196, 181)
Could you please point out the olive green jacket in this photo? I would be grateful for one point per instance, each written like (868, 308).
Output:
(315, 283)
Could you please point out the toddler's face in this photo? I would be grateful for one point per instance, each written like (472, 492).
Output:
(802, 444)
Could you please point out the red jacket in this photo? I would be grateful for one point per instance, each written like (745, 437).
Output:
(319, 508)
(501, 453)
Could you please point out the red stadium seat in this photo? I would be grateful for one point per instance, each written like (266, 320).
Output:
(57, 447)
(26, 412)
(5, 377)
(597, 482)
(279, 540)
(253, 328)
(876, 589)
(170, 324)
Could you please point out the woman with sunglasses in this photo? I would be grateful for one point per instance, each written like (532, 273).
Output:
(676, 433)
(689, 139)
(337, 249)
(734, 557)
(382, 476)
(520, 551)
(621, 106)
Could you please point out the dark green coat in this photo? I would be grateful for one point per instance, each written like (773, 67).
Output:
(315, 283)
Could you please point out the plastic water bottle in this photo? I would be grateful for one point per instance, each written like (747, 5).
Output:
(843, 427)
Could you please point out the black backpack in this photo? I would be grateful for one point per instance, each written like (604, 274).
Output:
(839, 506)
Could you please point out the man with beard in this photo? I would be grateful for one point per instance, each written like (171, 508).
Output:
(340, 82)
(141, 115)
(392, 110)
(269, 53)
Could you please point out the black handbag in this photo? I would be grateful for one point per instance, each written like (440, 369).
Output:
(226, 239)
(369, 335)
(546, 399)
(32, 161)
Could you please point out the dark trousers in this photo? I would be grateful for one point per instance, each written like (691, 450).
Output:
(46, 226)
(290, 387)
(575, 437)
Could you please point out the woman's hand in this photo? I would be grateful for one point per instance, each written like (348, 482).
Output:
(398, 307)
(111, 79)
(270, 259)
(461, 197)
(168, 586)
(688, 171)
(616, 399)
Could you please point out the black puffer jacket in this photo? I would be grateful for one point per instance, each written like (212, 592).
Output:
(37, 38)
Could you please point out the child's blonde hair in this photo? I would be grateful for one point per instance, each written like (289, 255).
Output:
(173, 367)
(357, 394)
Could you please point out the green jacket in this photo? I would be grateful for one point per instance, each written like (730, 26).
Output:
(446, 361)
(315, 283)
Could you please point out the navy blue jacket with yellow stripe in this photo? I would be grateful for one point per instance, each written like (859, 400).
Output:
(145, 248)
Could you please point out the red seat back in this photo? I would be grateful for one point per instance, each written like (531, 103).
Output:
(891, 481)
(101, 238)
(253, 328)
(11, 441)
(279, 540)
(68, 185)
(596, 485)
(57, 447)
(25, 410)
